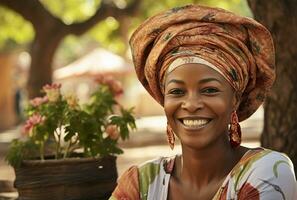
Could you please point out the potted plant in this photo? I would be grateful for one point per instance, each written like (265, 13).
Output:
(69, 149)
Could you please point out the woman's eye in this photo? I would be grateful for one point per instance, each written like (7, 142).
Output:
(176, 91)
(210, 90)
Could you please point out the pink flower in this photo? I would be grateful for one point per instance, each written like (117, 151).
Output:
(116, 88)
(52, 91)
(38, 101)
(114, 85)
(112, 131)
(52, 86)
(34, 120)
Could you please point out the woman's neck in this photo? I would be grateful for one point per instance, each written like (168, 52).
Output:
(201, 167)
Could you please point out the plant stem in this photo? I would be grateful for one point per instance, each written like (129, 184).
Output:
(59, 134)
(67, 149)
(70, 144)
(57, 145)
(42, 150)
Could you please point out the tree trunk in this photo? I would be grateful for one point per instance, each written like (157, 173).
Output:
(280, 118)
(50, 30)
(42, 52)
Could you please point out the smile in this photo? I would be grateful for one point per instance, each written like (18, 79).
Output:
(194, 123)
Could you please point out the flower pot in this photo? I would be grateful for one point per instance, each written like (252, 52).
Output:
(72, 178)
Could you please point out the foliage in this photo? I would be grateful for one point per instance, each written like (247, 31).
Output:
(111, 33)
(107, 32)
(20, 150)
(72, 11)
(58, 124)
(151, 7)
(15, 31)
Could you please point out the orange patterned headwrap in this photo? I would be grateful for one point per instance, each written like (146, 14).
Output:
(239, 47)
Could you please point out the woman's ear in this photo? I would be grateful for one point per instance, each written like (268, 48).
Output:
(236, 100)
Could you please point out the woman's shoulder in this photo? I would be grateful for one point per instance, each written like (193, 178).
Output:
(264, 172)
(127, 185)
(263, 158)
(157, 165)
(136, 182)
(153, 177)
(263, 161)
(153, 171)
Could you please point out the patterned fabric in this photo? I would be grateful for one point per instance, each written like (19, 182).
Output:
(261, 174)
(239, 46)
(128, 186)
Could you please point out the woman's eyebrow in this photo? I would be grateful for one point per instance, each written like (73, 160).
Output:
(209, 80)
(200, 81)
(175, 81)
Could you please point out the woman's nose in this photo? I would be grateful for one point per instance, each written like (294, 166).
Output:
(192, 103)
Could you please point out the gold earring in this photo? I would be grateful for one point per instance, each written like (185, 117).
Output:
(170, 136)
(234, 131)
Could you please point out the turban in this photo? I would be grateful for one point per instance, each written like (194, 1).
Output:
(239, 47)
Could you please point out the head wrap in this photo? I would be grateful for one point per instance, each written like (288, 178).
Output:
(239, 47)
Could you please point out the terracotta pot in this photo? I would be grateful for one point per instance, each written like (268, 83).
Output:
(72, 178)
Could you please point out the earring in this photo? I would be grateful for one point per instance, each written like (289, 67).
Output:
(234, 131)
(170, 136)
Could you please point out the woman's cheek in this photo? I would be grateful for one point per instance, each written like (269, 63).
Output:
(171, 105)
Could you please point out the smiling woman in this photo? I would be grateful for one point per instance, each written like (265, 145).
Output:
(209, 69)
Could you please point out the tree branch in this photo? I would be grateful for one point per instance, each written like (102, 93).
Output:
(31, 10)
(37, 14)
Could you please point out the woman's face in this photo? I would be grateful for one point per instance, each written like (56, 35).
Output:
(198, 104)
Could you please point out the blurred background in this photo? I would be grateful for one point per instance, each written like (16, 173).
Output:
(71, 42)
(74, 41)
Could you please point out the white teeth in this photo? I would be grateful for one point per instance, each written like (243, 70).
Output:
(195, 122)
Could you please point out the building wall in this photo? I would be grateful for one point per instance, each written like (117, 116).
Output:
(7, 112)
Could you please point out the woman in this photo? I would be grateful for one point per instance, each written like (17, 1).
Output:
(209, 69)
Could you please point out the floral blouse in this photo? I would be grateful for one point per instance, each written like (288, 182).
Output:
(260, 174)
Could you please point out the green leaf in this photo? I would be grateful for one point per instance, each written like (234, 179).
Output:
(68, 133)
(72, 11)
(21, 150)
(14, 30)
